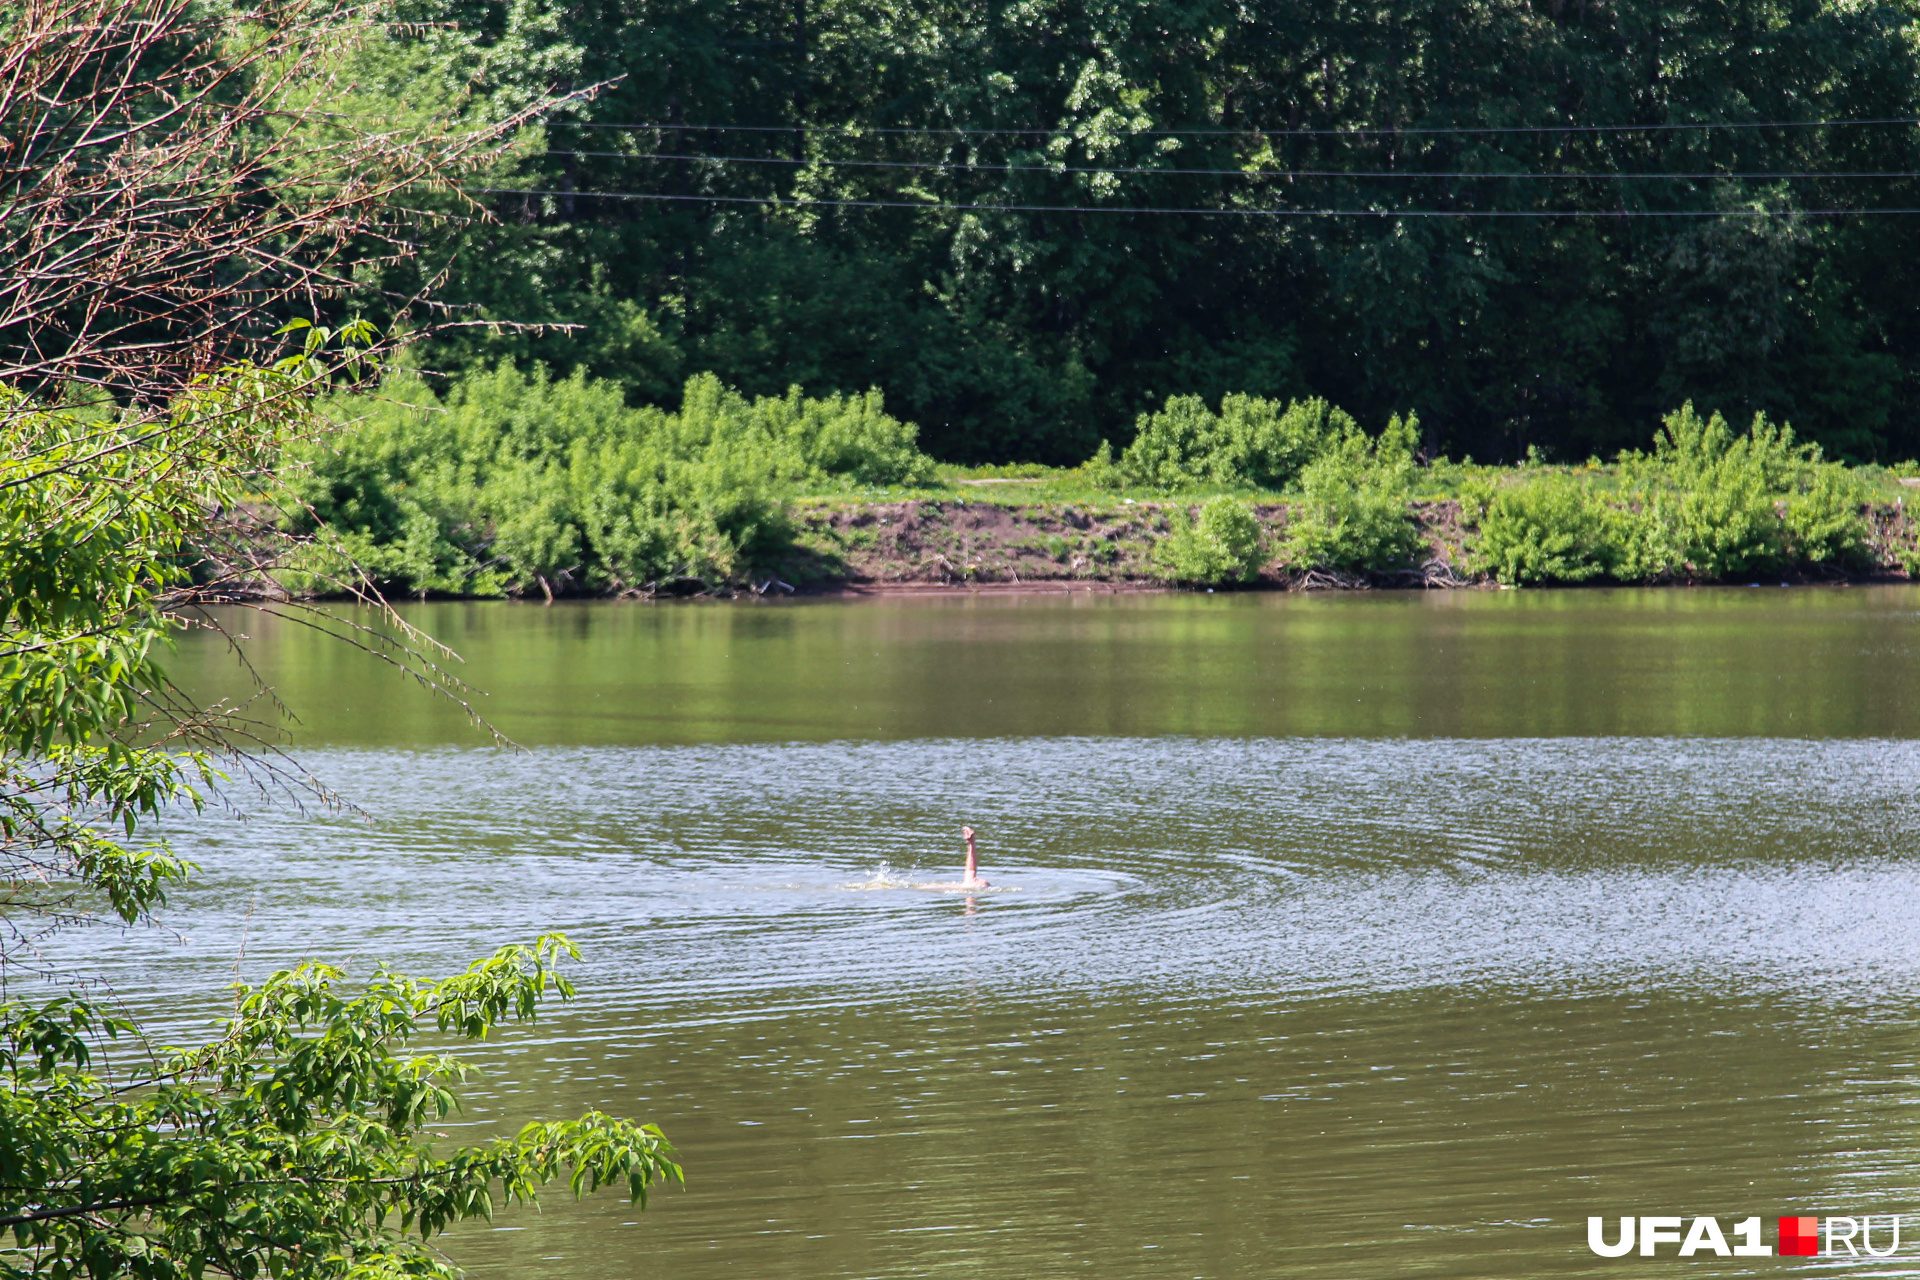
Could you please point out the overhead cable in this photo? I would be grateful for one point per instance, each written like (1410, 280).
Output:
(939, 207)
(1248, 131)
(1225, 173)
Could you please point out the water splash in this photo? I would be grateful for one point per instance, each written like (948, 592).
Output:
(884, 877)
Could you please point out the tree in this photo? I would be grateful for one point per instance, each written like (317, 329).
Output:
(177, 180)
(944, 200)
(292, 1145)
(172, 180)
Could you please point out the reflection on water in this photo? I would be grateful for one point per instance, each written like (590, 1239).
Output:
(1257, 1007)
(1725, 662)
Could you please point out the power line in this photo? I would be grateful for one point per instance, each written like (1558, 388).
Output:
(1216, 131)
(1231, 173)
(1049, 130)
(927, 207)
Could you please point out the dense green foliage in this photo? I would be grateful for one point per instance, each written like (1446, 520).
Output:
(1223, 546)
(1706, 503)
(514, 481)
(294, 1144)
(1353, 514)
(1549, 529)
(1023, 283)
(522, 484)
(1251, 442)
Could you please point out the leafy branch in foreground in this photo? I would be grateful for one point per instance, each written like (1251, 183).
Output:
(96, 518)
(174, 179)
(294, 1145)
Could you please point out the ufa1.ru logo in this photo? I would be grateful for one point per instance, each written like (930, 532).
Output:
(1798, 1237)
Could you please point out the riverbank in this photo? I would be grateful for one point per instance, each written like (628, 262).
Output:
(893, 543)
(1007, 543)
(427, 495)
(1003, 542)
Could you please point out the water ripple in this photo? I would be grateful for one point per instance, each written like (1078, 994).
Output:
(716, 873)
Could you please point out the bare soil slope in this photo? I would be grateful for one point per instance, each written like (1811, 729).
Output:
(936, 543)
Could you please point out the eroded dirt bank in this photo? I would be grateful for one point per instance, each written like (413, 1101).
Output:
(933, 544)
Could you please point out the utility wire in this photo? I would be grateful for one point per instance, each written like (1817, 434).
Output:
(1228, 173)
(857, 130)
(932, 207)
(1250, 131)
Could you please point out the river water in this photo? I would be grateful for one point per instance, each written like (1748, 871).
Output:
(1330, 937)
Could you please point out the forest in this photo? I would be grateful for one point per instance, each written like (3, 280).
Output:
(1540, 226)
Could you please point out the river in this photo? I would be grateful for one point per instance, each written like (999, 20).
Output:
(1359, 936)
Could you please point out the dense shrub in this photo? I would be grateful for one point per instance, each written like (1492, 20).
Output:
(512, 482)
(1825, 521)
(1354, 514)
(1250, 443)
(1712, 503)
(1707, 503)
(1710, 496)
(1547, 529)
(1223, 546)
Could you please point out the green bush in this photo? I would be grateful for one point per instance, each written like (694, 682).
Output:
(1712, 494)
(1707, 503)
(1546, 529)
(1101, 471)
(1353, 515)
(517, 482)
(1250, 443)
(1476, 495)
(1223, 546)
(1711, 503)
(1825, 524)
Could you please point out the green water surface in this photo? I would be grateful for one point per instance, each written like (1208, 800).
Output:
(1717, 662)
(1359, 936)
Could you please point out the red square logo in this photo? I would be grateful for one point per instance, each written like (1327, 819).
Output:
(1799, 1237)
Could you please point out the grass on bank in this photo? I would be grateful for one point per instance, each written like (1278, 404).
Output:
(1443, 480)
(510, 483)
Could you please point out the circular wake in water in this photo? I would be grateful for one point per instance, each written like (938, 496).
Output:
(1271, 865)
